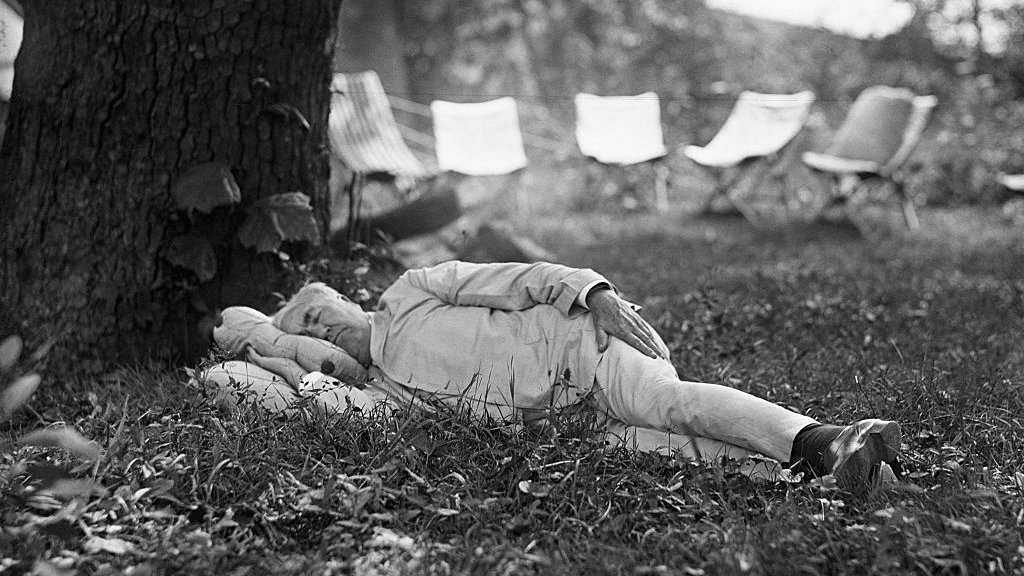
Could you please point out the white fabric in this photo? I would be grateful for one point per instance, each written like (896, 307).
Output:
(239, 382)
(11, 29)
(829, 163)
(479, 138)
(759, 125)
(1014, 182)
(706, 421)
(619, 129)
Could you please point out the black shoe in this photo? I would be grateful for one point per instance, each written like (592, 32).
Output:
(863, 454)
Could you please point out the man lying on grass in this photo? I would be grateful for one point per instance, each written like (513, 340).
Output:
(525, 339)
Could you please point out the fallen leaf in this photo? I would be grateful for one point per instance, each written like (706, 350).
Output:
(537, 490)
(96, 544)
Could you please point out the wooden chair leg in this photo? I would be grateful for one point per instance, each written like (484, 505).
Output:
(724, 181)
(907, 203)
(661, 174)
(355, 202)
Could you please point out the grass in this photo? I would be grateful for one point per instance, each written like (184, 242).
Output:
(924, 329)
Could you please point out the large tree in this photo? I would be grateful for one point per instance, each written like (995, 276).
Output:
(158, 153)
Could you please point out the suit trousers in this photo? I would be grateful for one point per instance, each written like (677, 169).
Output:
(644, 405)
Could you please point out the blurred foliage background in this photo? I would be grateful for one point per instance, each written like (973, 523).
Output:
(698, 59)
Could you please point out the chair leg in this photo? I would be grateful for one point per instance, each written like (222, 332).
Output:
(909, 212)
(661, 174)
(355, 202)
(724, 181)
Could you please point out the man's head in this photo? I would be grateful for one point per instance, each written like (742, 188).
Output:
(322, 312)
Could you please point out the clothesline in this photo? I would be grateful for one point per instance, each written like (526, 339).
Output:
(524, 98)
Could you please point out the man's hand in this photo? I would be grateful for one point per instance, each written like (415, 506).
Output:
(613, 316)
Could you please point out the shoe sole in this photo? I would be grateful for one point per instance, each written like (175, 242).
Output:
(861, 453)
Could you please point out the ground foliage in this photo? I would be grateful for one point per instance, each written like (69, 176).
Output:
(923, 329)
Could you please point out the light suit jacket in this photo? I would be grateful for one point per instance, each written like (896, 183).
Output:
(508, 339)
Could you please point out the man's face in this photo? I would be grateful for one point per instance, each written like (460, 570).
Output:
(339, 321)
(322, 312)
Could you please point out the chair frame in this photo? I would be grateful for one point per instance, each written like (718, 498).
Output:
(775, 163)
(852, 178)
(657, 163)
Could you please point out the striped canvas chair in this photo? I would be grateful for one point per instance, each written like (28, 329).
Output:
(622, 131)
(373, 165)
(363, 133)
(873, 144)
(753, 138)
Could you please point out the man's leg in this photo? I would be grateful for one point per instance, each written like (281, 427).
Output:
(670, 443)
(647, 393)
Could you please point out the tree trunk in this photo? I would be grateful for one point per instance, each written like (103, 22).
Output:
(112, 102)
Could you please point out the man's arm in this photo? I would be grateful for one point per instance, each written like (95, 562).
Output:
(506, 286)
(514, 286)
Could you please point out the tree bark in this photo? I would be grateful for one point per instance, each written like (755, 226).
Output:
(112, 102)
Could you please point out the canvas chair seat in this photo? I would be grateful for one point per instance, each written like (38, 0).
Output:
(880, 131)
(829, 163)
(479, 138)
(622, 131)
(756, 140)
(1014, 182)
(759, 125)
(882, 128)
(619, 130)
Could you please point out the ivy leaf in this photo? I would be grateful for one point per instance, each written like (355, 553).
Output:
(64, 437)
(17, 394)
(10, 350)
(206, 186)
(279, 218)
(193, 252)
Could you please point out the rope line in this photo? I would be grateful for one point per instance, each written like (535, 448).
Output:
(405, 101)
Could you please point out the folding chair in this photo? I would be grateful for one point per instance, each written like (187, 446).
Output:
(753, 137)
(882, 128)
(481, 140)
(366, 144)
(621, 131)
